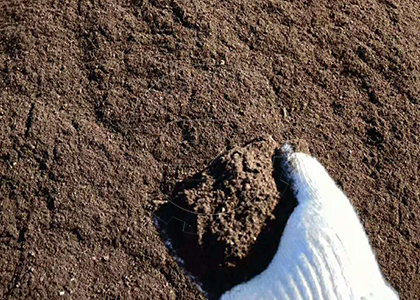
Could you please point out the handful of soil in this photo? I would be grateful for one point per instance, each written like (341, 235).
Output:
(235, 197)
(231, 215)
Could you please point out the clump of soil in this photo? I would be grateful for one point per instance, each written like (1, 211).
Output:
(230, 215)
(237, 196)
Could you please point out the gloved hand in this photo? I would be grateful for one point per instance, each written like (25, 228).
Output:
(324, 252)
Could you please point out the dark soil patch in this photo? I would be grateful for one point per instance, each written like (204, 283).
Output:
(106, 105)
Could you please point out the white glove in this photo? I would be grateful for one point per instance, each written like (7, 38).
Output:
(324, 252)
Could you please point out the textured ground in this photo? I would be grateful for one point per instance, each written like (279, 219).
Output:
(106, 105)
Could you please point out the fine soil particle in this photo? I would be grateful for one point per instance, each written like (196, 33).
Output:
(232, 214)
(106, 105)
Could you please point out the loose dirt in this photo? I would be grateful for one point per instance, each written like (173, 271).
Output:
(106, 106)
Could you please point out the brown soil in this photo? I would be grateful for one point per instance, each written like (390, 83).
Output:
(106, 105)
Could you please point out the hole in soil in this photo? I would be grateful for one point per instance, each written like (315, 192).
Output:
(21, 237)
(78, 234)
(374, 137)
(223, 250)
(50, 203)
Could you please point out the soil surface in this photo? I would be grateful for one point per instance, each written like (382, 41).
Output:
(106, 106)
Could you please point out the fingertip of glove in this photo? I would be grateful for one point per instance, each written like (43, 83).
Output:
(287, 149)
(296, 145)
(292, 152)
(307, 177)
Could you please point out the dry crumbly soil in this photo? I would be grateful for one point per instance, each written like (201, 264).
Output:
(106, 105)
